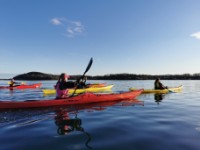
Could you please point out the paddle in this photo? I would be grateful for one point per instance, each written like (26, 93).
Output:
(86, 70)
(171, 91)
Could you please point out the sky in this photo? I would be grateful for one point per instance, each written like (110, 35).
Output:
(122, 36)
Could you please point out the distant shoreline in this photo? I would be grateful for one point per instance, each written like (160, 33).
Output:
(4, 79)
(121, 76)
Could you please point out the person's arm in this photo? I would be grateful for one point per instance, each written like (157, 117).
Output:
(162, 86)
(11, 84)
(14, 84)
(84, 81)
(67, 85)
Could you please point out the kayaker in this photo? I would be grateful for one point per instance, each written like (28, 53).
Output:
(82, 82)
(159, 85)
(63, 85)
(13, 83)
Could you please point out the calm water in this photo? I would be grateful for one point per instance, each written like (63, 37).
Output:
(151, 122)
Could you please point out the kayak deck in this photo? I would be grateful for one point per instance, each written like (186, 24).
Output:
(78, 91)
(162, 91)
(84, 98)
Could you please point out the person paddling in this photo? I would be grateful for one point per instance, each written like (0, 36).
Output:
(82, 83)
(13, 83)
(159, 85)
(63, 85)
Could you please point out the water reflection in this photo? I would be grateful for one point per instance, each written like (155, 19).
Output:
(10, 115)
(158, 98)
(66, 125)
(66, 118)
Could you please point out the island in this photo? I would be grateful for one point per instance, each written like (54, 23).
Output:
(36, 76)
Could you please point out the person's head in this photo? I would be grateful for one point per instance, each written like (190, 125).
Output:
(63, 77)
(157, 79)
(12, 80)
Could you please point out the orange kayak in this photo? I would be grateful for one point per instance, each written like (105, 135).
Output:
(85, 98)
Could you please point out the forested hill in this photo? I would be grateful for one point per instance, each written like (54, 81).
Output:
(36, 76)
(121, 76)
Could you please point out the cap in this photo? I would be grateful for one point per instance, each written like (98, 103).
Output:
(67, 76)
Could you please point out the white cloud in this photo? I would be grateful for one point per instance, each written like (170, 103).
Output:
(196, 35)
(69, 30)
(77, 23)
(56, 21)
(72, 28)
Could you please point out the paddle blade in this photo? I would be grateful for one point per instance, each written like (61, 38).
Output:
(89, 65)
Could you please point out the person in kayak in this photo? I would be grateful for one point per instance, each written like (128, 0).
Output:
(82, 82)
(159, 85)
(13, 83)
(63, 85)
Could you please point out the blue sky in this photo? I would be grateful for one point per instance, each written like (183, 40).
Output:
(122, 36)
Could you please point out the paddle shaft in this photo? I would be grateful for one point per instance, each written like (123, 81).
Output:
(86, 70)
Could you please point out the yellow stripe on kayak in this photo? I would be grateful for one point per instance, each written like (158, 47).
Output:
(91, 89)
(163, 91)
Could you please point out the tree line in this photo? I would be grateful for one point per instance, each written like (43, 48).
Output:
(126, 76)
(120, 76)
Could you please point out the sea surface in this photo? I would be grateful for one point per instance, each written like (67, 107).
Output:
(150, 122)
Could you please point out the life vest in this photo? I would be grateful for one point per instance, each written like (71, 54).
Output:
(158, 85)
(60, 93)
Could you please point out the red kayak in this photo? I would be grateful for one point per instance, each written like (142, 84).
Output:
(22, 86)
(84, 98)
